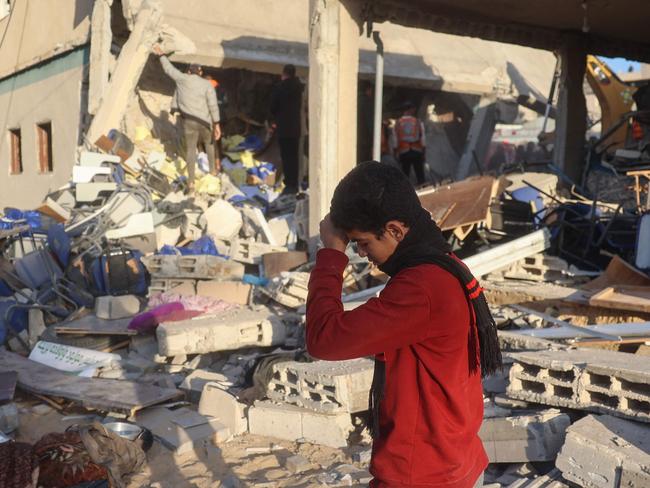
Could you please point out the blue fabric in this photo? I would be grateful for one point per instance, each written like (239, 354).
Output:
(255, 280)
(262, 171)
(31, 218)
(203, 245)
(251, 143)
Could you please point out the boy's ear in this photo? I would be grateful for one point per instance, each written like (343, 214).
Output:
(396, 229)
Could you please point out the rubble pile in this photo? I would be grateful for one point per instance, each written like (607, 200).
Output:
(178, 319)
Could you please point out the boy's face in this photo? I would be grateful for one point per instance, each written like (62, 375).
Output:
(378, 249)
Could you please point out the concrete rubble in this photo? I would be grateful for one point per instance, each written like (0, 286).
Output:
(198, 300)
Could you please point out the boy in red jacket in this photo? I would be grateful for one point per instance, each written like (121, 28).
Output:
(430, 331)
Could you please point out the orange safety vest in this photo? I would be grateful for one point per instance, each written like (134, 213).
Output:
(409, 135)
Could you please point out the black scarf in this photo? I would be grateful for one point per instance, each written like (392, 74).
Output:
(425, 244)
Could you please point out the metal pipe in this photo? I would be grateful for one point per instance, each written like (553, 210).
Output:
(379, 92)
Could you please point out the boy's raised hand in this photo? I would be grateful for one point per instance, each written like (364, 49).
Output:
(332, 237)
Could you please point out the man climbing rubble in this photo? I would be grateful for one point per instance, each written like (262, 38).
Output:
(196, 100)
(430, 331)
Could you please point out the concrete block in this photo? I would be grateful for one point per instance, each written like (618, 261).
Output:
(606, 452)
(9, 419)
(290, 291)
(251, 252)
(522, 438)
(116, 307)
(538, 267)
(228, 291)
(196, 267)
(194, 383)
(167, 235)
(282, 229)
(323, 386)
(292, 423)
(182, 430)
(234, 329)
(187, 287)
(221, 220)
(218, 403)
(161, 285)
(595, 380)
(552, 479)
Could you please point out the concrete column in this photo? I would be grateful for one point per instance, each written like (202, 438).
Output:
(100, 53)
(571, 119)
(126, 75)
(333, 68)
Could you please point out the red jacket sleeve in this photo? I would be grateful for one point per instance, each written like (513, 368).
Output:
(398, 317)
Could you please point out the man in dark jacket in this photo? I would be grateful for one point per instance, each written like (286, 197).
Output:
(430, 330)
(286, 103)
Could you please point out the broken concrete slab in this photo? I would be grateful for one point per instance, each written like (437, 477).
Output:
(194, 383)
(596, 380)
(292, 423)
(221, 220)
(216, 402)
(195, 267)
(182, 430)
(606, 452)
(116, 307)
(130, 63)
(162, 285)
(323, 386)
(297, 463)
(234, 329)
(524, 437)
(228, 291)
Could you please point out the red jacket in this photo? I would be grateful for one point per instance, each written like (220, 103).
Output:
(432, 407)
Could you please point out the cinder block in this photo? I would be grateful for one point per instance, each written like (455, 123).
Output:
(290, 291)
(323, 386)
(228, 291)
(116, 307)
(216, 402)
(233, 329)
(251, 252)
(606, 452)
(161, 285)
(292, 423)
(596, 380)
(197, 267)
(523, 438)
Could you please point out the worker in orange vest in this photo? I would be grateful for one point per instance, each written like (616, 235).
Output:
(409, 142)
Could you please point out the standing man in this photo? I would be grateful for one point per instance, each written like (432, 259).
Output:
(430, 330)
(286, 104)
(196, 101)
(409, 142)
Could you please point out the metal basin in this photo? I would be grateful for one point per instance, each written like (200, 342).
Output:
(125, 429)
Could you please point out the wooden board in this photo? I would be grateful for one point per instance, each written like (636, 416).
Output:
(108, 395)
(470, 201)
(633, 298)
(90, 324)
(618, 272)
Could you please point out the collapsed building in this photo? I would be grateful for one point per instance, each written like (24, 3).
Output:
(173, 320)
(53, 82)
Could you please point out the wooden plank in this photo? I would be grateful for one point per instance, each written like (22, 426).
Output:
(90, 324)
(102, 394)
(618, 272)
(471, 197)
(634, 298)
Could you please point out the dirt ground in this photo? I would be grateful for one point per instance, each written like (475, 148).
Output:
(244, 461)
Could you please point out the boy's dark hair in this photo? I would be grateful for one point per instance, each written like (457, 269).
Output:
(289, 70)
(371, 195)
